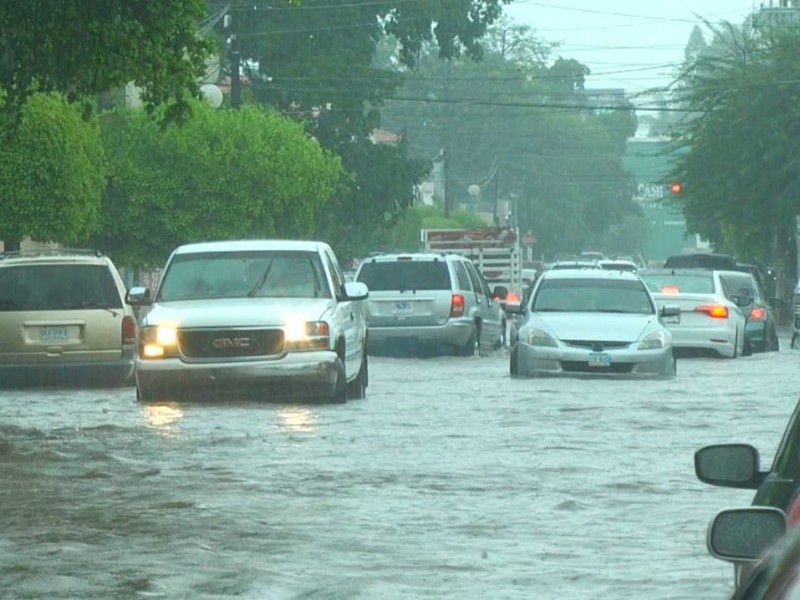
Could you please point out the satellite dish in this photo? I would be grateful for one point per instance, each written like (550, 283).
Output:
(212, 93)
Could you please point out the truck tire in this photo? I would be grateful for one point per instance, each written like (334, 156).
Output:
(339, 395)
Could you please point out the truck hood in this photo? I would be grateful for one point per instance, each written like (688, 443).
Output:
(592, 326)
(237, 312)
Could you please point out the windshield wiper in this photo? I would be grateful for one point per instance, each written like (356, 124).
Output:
(259, 284)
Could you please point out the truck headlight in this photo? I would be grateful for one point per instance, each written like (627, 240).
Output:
(303, 335)
(158, 342)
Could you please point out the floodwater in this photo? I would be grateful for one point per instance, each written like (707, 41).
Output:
(451, 480)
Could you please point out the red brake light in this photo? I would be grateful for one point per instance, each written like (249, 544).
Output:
(512, 297)
(457, 305)
(757, 313)
(670, 289)
(715, 311)
(793, 512)
(128, 329)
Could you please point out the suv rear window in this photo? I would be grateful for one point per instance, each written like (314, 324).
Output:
(405, 275)
(57, 287)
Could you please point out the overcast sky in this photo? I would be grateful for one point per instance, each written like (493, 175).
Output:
(626, 43)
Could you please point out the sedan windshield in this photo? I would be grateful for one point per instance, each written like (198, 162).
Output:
(592, 295)
(243, 275)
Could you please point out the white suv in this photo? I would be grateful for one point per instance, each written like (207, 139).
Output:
(270, 318)
(63, 320)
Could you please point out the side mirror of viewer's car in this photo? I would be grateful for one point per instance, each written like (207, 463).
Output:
(745, 534)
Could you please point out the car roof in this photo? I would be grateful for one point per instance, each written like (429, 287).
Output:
(245, 245)
(581, 273)
(418, 256)
(54, 256)
(681, 271)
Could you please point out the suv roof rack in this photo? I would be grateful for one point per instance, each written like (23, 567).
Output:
(51, 252)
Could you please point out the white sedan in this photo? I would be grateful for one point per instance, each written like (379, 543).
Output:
(711, 320)
(592, 322)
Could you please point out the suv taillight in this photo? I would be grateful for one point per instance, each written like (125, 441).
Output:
(457, 306)
(128, 329)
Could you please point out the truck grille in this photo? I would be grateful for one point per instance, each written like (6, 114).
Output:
(230, 343)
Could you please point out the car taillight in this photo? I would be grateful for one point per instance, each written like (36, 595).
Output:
(128, 329)
(715, 311)
(757, 313)
(457, 305)
(512, 297)
(793, 511)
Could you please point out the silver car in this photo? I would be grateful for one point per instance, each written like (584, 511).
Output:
(592, 322)
(430, 302)
(273, 318)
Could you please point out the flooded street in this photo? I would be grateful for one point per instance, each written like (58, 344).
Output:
(450, 480)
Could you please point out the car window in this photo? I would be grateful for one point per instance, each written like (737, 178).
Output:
(333, 266)
(475, 279)
(243, 274)
(740, 285)
(57, 287)
(592, 295)
(685, 283)
(462, 276)
(393, 275)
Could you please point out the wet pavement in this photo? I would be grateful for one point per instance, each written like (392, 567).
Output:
(451, 480)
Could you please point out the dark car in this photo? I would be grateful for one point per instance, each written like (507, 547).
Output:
(739, 466)
(701, 260)
(761, 327)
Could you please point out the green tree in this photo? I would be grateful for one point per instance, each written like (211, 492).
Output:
(522, 132)
(223, 174)
(51, 175)
(316, 62)
(82, 49)
(739, 167)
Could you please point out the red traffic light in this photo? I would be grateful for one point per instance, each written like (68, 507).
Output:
(676, 187)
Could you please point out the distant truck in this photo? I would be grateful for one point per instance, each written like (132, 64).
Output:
(495, 251)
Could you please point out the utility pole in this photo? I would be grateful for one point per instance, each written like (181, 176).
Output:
(232, 23)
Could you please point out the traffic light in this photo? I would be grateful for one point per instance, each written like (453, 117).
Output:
(676, 187)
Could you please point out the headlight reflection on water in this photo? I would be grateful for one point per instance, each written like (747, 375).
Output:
(296, 419)
(163, 415)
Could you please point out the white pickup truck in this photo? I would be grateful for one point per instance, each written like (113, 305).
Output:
(273, 319)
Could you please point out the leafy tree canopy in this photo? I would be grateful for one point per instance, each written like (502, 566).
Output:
(520, 131)
(224, 174)
(82, 49)
(51, 174)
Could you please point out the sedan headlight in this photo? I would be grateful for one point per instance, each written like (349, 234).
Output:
(654, 341)
(158, 342)
(306, 335)
(537, 337)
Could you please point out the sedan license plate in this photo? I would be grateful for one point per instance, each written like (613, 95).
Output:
(402, 308)
(53, 334)
(599, 359)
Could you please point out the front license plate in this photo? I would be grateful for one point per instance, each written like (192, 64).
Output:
(402, 308)
(599, 359)
(53, 334)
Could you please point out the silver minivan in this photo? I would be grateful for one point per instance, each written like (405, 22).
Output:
(430, 302)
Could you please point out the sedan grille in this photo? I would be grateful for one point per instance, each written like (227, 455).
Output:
(577, 366)
(230, 343)
(596, 345)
